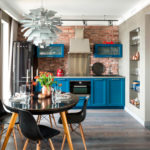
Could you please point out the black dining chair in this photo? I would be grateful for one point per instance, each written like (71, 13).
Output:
(35, 132)
(5, 120)
(76, 118)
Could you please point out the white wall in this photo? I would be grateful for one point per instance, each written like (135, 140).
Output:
(147, 71)
(138, 20)
(0, 65)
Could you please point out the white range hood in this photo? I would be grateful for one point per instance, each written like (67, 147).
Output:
(79, 44)
(79, 55)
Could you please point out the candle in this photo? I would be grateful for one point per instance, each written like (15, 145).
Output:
(31, 73)
(27, 78)
(37, 72)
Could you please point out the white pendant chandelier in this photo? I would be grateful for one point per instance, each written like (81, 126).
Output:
(40, 26)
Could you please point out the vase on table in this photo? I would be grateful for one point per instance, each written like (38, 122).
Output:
(46, 90)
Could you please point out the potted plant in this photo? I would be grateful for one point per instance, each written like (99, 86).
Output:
(46, 80)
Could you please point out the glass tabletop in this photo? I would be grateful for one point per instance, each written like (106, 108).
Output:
(41, 106)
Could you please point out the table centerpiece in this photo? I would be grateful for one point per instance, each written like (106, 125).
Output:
(46, 79)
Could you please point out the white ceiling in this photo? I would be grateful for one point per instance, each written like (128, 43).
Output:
(77, 9)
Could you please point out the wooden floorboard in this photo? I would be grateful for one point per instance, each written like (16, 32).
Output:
(104, 130)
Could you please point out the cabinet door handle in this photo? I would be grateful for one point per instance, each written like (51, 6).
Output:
(99, 79)
(61, 79)
(115, 79)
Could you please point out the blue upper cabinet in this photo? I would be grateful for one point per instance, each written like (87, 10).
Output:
(108, 50)
(53, 50)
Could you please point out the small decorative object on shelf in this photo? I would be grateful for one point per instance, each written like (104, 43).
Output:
(46, 80)
(135, 84)
(136, 56)
(106, 42)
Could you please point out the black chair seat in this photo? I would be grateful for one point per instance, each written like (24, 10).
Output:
(31, 130)
(48, 132)
(73, 118)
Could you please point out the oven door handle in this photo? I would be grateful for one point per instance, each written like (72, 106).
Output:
(80, 86)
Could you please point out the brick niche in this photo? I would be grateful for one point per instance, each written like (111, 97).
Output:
(96, 35)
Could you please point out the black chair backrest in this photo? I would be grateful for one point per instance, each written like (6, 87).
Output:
(2, 110)
(83, 111)
(29, 126)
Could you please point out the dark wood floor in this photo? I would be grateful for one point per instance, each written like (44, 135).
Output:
(104, 130)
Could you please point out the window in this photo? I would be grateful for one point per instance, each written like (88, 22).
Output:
(5, 55)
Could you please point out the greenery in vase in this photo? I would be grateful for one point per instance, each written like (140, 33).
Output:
(45, 79)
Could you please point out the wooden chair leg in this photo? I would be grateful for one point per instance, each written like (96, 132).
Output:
(19, 130)
(51, 144)
(50, 120)
(63, 142)
(38, 119)
(38, 145)
(15, 142)
(9, 130)
(71, 127)
(25, 145)
(54, 120)
(2, 129)
(82, 135)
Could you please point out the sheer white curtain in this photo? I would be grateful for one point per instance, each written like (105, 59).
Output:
(13, 37)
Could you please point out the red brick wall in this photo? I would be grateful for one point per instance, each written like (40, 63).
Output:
(96, 34)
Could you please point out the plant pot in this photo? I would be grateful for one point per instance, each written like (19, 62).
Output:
(46, 90)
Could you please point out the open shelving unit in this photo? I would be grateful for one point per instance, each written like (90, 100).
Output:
(134, 67)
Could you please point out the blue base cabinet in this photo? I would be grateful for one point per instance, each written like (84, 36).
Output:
(105, 92)
(99, 92)
(108, 92)
(65, 84)
(116, 92)
(81, 101)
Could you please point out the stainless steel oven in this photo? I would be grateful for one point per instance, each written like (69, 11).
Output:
(81, 88)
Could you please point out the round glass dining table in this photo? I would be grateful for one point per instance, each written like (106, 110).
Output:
(39, 107)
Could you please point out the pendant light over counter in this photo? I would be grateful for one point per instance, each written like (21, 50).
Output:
(40, 26)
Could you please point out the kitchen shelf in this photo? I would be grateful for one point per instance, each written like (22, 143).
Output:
(137, 106)
(134, 65)
(134, 90)
(134, 74)
(134, 60)
(137, 44)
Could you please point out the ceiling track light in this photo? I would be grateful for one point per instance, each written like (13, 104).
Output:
(110, 23)
(112, 20)
(84, 22)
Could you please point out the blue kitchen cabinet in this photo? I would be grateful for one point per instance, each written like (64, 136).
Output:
(105, 92)
(116, 92)
(81, 102)
(108, 50)
(64, 82)
(99, 92)
(53, 50)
